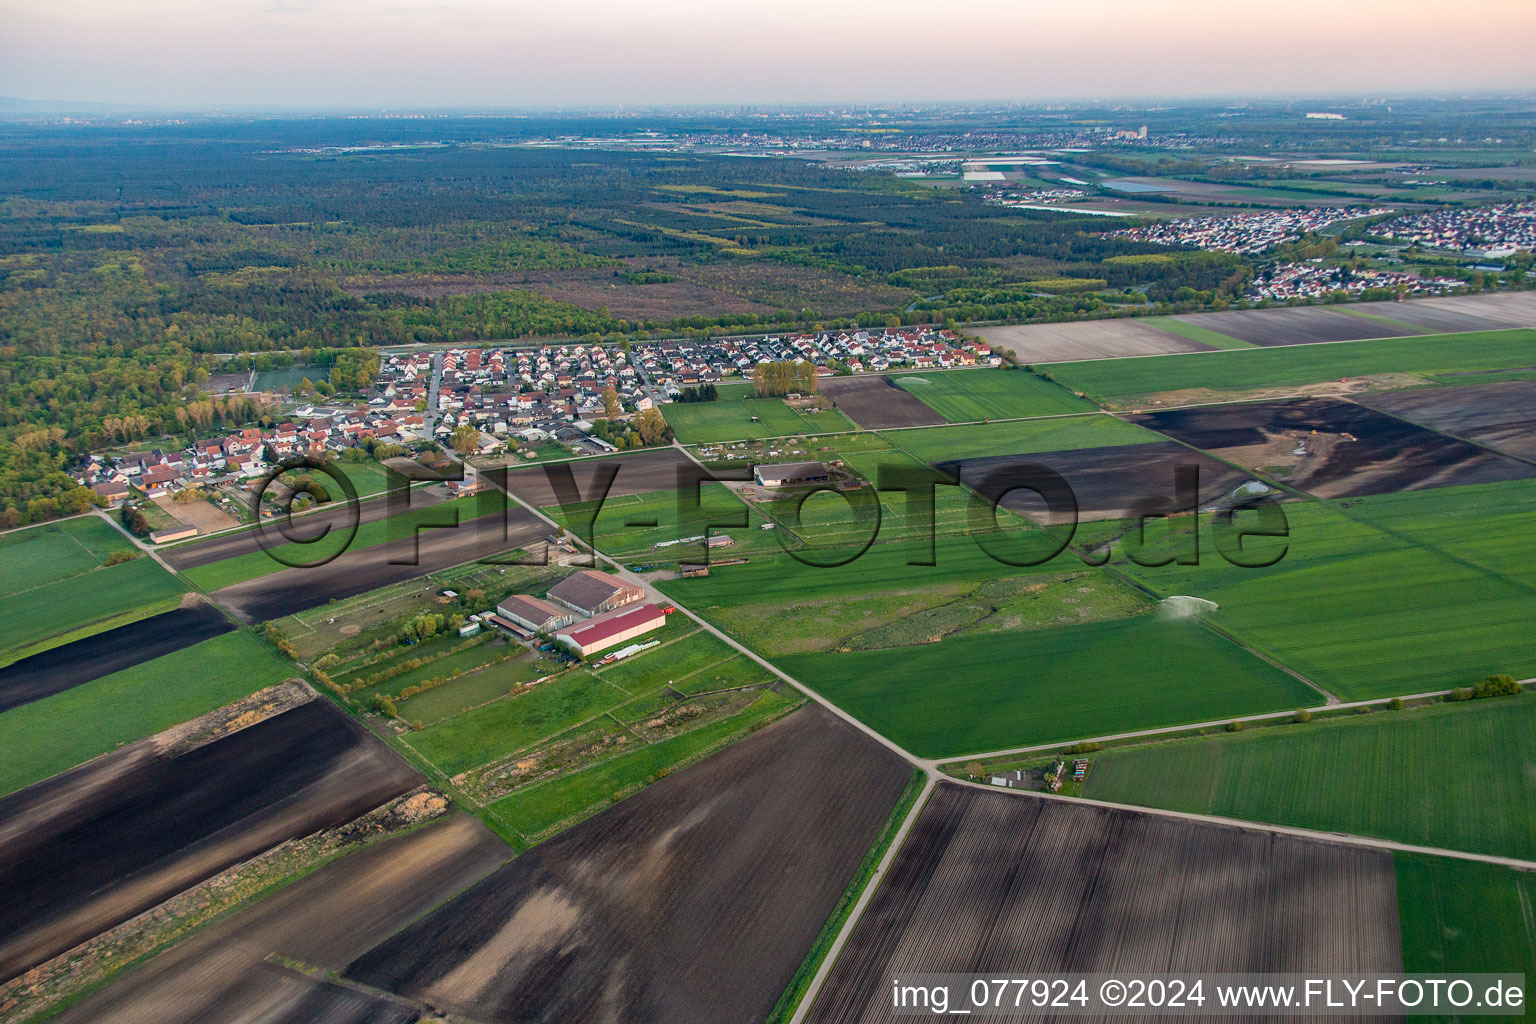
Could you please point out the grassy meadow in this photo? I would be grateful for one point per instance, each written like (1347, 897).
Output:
(47, 736)
(1454, 775)
(962, 396)
(989, 692)
(1382, 596)
(733, 419)
(57, 588)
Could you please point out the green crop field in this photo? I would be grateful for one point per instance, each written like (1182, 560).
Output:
(969, 441)
(961, 396)
(827, 520)
(1466, 916)
(255, 564)
(731, 419)
(1383, 596)
(367, 477)
(50, 613)
(538, 809)
(47, 736)
(1002, 690)
(486, 733)
(1291, 365)
(1459, 776)
(55, 551)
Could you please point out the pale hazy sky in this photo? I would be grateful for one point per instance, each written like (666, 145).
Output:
(436, 53)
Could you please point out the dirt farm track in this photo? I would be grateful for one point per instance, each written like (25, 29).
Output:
(94, 846)
(693, 902)
(992, 882)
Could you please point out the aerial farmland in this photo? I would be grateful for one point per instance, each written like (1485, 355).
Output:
(1058, 889)
(765, 578)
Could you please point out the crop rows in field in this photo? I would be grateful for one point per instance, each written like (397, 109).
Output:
(989, 882)
(1385, 595)
(987, 692)
(963, 396)
(1387, 774)
(695, 901)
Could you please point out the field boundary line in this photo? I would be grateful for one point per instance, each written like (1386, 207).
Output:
(1337, 838)
(1170, 730)
(930, 782)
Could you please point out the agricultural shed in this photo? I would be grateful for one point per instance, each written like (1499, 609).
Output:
(788, 474)
(611, 630)
(591, 592)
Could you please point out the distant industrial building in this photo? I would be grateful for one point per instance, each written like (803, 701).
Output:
(591, 592)
(611, 630)
(534, 614)
(791, 474)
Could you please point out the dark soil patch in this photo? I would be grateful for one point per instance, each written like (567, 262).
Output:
(1501, 416)
(640, 473)
(62, 668)
(356, 572)
(1335, 449)
(694, 901)
(101, 843)
(592, 288)
(992, 883)
(338, 518)
(875, 403)
(1298, 325)
(1108, 482)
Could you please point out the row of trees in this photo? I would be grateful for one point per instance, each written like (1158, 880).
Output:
(702, 393)
(790, 377)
